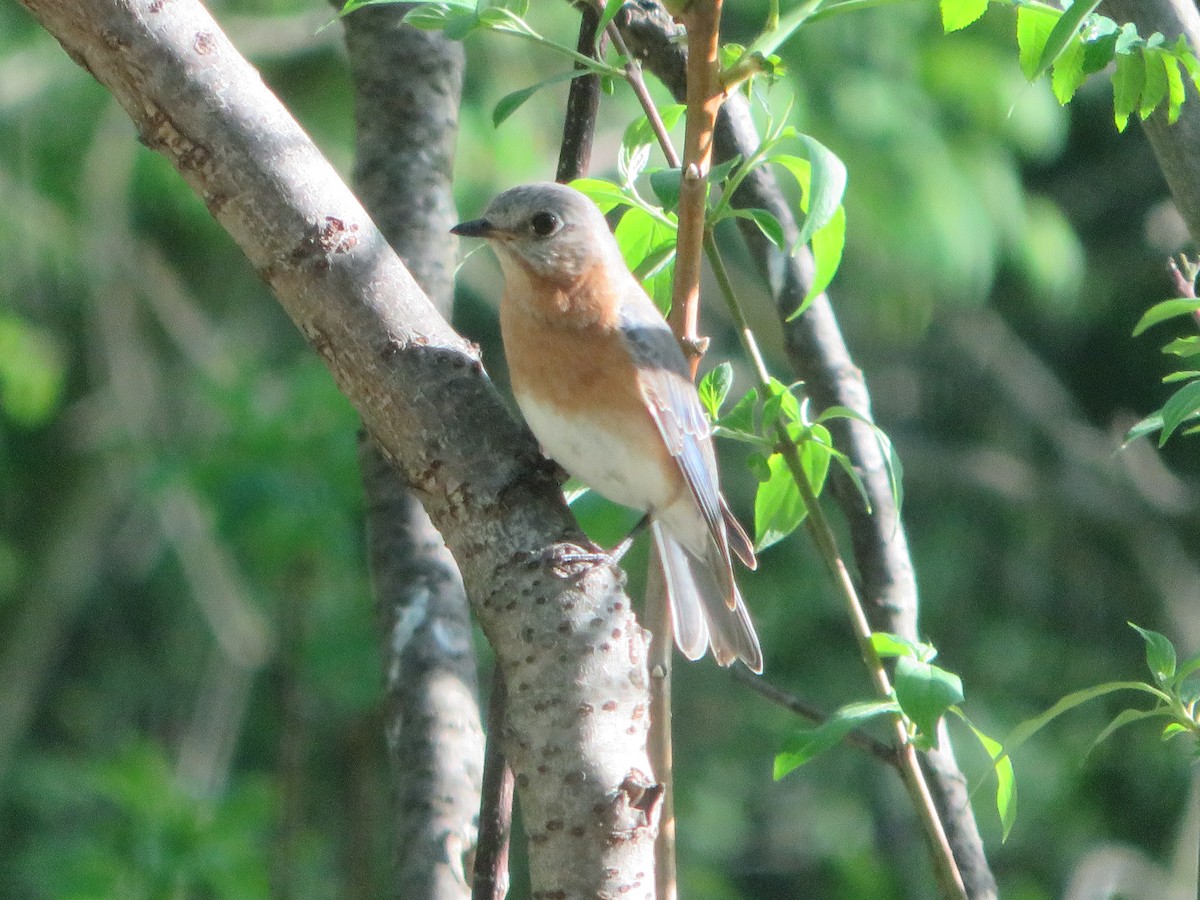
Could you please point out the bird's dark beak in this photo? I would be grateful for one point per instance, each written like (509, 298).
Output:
(480, 228)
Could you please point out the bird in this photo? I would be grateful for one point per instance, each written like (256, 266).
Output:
(605, 388)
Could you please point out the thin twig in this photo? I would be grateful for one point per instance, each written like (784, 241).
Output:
(495, 811)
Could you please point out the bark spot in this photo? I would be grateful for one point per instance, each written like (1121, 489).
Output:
(555, 825)
(609, 705)
(616, 633)
(205, 43)
(585, 709)
(641, 794)
(328, 237)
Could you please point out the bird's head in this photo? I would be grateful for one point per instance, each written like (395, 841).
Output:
(550, 231)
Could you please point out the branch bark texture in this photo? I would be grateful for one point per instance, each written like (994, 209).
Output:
(819, 356)
(1176, 147)
(572, 653)
(407, 87)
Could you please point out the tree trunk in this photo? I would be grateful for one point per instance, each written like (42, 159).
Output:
(572, 653)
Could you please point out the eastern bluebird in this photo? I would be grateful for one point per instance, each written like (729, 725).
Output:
(605, 388)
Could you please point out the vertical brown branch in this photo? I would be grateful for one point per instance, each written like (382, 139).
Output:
(704, 96)
(583, 103)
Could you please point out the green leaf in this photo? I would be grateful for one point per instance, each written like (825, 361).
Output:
(1183, 405)
(781, 406)
(1123, 718)
(1155, 86)
(827, 246)
(1146, 426)
(603, 193)
(767, 224)
(1164, 310)
(1184, 346)
(888, 645)
(1060, 35)
(925, 691)
(1173, 729)
(510, 103)
(808, 743)
(1068, 72)
(1098, 51)
(1183, 375)
(611, 8)
(665, 184)
(1030, 727)
(740, 419)
(1128, 79)
(1176, 93)
(778, 507)
(640, 131)
(714, 388)
(822, 178)
(957, 14)
(758, 466)
(648, 246)
(1160, 654)
(1033, 29)
(1006, 779)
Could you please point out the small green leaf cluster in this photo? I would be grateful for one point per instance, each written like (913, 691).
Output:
(1183, 406)
(1075, 43)
(922, 694)
(760, 418)
(646, 231)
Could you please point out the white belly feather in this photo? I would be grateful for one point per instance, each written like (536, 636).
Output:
(597, 456)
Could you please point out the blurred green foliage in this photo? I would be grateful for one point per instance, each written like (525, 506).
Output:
(189, 679)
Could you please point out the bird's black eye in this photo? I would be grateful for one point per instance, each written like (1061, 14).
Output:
(545, 223)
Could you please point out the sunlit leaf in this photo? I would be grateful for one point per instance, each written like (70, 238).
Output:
(1062, 34)
(957, 14)
(778, 506)
(1128, 79)
(808, 743)
(1155, 85)
(1033, 29)
(1164, 310)
(925, 691)
(714, 388)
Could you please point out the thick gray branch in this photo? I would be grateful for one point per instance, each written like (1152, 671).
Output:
(572, 652)
(1176, 147)
(819, 356)
(407, 86)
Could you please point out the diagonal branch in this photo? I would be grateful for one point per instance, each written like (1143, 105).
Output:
(572, 653)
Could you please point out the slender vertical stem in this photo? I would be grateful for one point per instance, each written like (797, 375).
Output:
(704, 96)
(495, 812)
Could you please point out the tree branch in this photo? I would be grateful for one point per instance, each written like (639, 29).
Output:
(572, 652)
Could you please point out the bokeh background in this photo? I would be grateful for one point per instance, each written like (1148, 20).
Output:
(190, 685)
